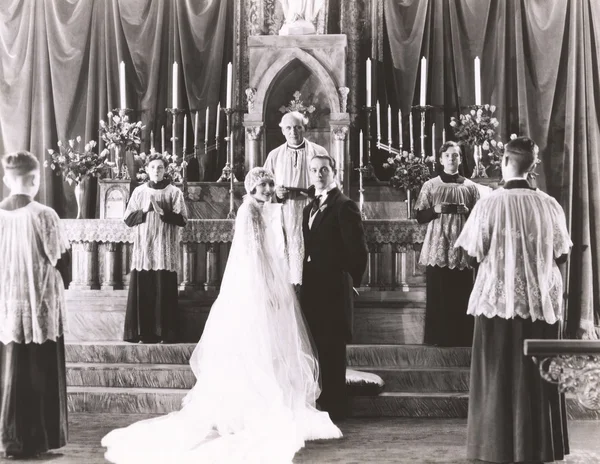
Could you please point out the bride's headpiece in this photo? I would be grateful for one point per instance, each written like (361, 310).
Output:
(255, 176)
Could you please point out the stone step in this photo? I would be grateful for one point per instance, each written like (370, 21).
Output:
(173, 376)
(395, 404)
(357, 355)
(422, 379)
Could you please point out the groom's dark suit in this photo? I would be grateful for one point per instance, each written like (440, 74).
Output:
(335, 258)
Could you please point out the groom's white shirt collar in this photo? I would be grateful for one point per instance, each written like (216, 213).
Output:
(326, 191)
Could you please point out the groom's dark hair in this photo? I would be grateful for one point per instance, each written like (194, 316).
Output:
(325, 156)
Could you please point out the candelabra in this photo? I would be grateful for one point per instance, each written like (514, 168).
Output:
(227, 174)
(174, 112)
(367, 171)
(423, 110)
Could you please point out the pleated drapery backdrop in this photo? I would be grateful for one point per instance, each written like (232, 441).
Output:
(59, 70)
(540, 67)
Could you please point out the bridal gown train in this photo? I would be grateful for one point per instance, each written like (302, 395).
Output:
(256, 372)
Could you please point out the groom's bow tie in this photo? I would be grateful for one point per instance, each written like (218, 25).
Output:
(316, 204)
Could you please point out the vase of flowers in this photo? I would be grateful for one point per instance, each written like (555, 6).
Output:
(410, 173)
(175, 169)
(76, 165)
(477, 129)
(121, 137)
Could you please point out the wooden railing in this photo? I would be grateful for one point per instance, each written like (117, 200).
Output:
(101, 254)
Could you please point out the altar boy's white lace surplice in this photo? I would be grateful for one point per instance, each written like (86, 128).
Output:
(516, 235)
(32, 299)
(257, 375)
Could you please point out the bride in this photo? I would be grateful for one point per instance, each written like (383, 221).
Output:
(256, 371)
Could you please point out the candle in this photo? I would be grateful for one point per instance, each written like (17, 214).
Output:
(360, 144)
(433, 140)
(368, 81)
(162, 138)
(122, 90)
(410, 129)
(378, 110)
(390, 125)
(229, 84)
(175, 79)
(196, 130)
(443, 136)
(151, 140)
(218, 121)
(184, 135)
(423, 81)
(477, 81)
(206, 122)
(400, 129)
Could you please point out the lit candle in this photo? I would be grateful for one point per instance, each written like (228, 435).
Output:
(122, 90)
(360, 144)
(196, 130)
(175, 79)
(433, 140)
(229, 84)
(477, 81)
(184, 135)
(206, 122)
(443, 136)
(151, 140)
(162, 138)
(378, 110)
(400, 129)
(410, 129)
(368, 81)
(390, 125)
(423, 80)
(218, 121)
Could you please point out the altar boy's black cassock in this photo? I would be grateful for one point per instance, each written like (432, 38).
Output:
(335, 259)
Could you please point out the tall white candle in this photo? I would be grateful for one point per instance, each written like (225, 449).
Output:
(162, 138)
(122, 89)
(390, 124)
(368, 82)
(151, 140)
(443, 136)
(378, 110)
(433, 140)
(423, 81)
(400, 129)
(218, 121)
(184, 135)
(360, 144)
(229, 84)
(410, 129)
(477, 81)
(175, 83)
(196, 129)
(206, 123)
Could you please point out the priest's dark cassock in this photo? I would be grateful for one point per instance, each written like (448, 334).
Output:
(152, 299)
(33, 387)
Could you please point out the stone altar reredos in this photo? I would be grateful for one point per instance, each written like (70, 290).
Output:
(315, 65)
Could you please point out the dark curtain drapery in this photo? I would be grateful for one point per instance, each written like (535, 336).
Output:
(539, 66)
(59, 71)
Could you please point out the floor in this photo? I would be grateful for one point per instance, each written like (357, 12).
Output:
(375, 440)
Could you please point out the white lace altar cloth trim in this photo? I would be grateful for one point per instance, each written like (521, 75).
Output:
(221, 230)
(438, 246)
(32, 302)
(516, 235)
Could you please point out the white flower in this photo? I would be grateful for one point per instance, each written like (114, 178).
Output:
(486, 145)
(500, 145)
(513, 136)
(492, 108)
(486, 106)
(51, 151)
(59, 143)
(45, 163)
(53, 166)
(453, 123)
(78, 138)
(494, 143)
(61, 159)
(473, 112)
(479, 112)
(87, 147)
(92, 144)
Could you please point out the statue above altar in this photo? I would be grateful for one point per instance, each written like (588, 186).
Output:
(299, 16)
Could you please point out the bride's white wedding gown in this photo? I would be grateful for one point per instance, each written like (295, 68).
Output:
(256, 372)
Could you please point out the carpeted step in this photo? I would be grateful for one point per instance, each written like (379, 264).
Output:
(123, 352)
(422, 379)
(130, 375)
(164, 400)
(407, 356)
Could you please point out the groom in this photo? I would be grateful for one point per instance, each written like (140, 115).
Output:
(335, 259)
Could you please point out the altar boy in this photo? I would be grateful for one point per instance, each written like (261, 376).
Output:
(517, 234)
(33, 393)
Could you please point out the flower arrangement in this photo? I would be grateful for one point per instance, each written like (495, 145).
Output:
(74, 164)
(174, 171)
(410, 172)
(476, 127)
(118, 132)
